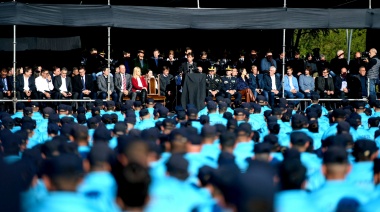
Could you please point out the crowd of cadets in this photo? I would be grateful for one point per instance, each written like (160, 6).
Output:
(246, 76)
(135, 157)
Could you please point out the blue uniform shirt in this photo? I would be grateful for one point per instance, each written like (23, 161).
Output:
(18, 115)
(216, 119)
(145, 124)
(210, 151)
(362, 175)
(293, 201)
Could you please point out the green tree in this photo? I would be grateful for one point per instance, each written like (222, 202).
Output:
(329, 41)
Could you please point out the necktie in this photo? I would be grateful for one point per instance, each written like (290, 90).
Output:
(156, 61)
(124, 83)
(5, 84)
(84, 85)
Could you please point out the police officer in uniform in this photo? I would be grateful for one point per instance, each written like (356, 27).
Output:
(213, 83)
(229, 85)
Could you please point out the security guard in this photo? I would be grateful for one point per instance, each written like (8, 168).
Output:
(229, 85)
(213, 83)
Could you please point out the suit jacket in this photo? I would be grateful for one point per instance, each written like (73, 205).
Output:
(173, 66)
(156, 68)
(9, 83)
(144, 69)
(77, 83)
(20, 83)
(353, 85)
(256, 81)
(135, 85)
(320, 84)
(103, 83)
(58, 82)
(118, 82)
(268, 83)
(185, 70)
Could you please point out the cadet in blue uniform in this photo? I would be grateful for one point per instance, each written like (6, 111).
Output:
(244, 145)
(364, 151)
(62, 174)
(145, 121)
(335, 168)
(99, 184)
(214, 116)
(229, 85)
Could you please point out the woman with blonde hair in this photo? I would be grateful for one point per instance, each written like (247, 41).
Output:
(139, 85)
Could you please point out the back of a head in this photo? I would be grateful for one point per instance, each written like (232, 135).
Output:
(177, 166)
(101, 156)
(227, 139)
(292, 174)
(133, 185)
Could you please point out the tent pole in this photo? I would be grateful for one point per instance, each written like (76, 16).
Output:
(109, 58)
(349, 46)
(370, 6)
(198, 4)
(283, 59)
(14, 68)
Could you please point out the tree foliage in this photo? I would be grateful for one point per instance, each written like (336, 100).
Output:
(329, 41)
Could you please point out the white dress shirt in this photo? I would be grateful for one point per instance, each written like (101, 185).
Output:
(63, 87)
(26, 83)
(291, 82)
(43, 85)
(273, 82)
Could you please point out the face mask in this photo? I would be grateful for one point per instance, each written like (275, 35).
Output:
(344, 74)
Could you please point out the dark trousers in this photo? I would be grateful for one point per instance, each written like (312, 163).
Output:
(103, 95)
(236, 95)
(143, 95)
(81, 95)
(131, 95)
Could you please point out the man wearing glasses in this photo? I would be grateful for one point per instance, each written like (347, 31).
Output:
(325, 86)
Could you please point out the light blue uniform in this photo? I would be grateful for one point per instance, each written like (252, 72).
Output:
(100, 186)
(263, 109)
(18, 115)
(362, 175)
(171, 194)
(204, 111)
(364, 120)
(242, 151)
(61, 201)
(33, 196)
(196, 161)
(216, 119)
(145, 124)
(325, 112)
(313, 166)
(210, 151)
(333, 191)
(293, 201)
(91, 134)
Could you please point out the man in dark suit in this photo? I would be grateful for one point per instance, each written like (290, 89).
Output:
(25, 85)
(156, 62)
(62, 86)
(256, 84)
(102, 82)
(272, 88)
(325, 87)
(123, 84)
(83, 85)
(6, 89)
(141, 61)
(188, 67)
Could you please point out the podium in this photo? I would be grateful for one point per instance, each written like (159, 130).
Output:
(194, 90)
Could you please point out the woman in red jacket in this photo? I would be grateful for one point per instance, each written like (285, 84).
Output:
(139, 85)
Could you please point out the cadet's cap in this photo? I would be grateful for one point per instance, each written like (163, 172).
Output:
(28, 125)
(54, 118)
(256, 107)
(208, 98)
(299, 138)
(66, 129)
(239, 111)
(143, 112)
(222, 105)
(261, 99)
(244, 127)
(360, 105)
(7, 121)
(101, 153)
(150, 134)
(67, 120)
(272, 119)
(312, 115)
(102, 134)
(95, 110)
(62, 165)
(81, 118)
(211, 105)
(181, 115)
(204, 119)
(208, 130)
(110, 104)
(177, 164)
(130, 113)
(89, 105)
(98, 102)
(163, 111)
(377, 103)
(194, 138)
(270, 138)
(150, 101)
(129, 103)
(188, 106)
(34, 104)
(28, 110)
(204, 174)
(137, 104)
(20, 106)
(315, 96)
(264, 147)
(227, 138)
(219, 99)
(277, 111)
(335, 154)
(231, 124)
(130, 120)
(338, 113)
(228, 115)
(299, 119)
(106, 116)
(53, 128)
(48, 111)
(178, 108)
(364, 147)
(192, 111)
(343, 126)
(273, 126)
(283, 101)
(177, 132)
(62, 107)
(290, 154)
(246, 105)
(120, 128)
(227, 101)
(92, 120)
(228, 68)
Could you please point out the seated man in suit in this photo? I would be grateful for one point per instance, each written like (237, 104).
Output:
(167, 86)
(62, 86)
(325, 86)
(272, 85)
(123, 84)
(256, 84)
(82, 85)
(229, 85)
(25, 85)
(102, 81)
(6, 89)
